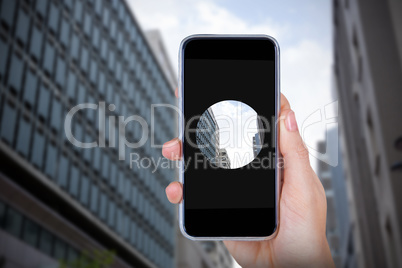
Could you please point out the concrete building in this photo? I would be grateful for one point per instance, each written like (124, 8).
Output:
(207, 136)
(57, 199)
(339, 226)
(258, 138)
(224, 160)
(368, 79)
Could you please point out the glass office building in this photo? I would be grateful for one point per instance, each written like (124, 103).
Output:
(207, 136)
(53, 56)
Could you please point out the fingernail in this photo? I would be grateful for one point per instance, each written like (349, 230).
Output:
(171, 142)
(290, 122)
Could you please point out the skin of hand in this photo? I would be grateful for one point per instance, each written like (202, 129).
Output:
(301, 239)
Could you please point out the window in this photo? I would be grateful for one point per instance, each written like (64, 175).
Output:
(105, 18)
(97, 158)
(13, 223)
(16, 71)
(113, 179)
(101, 83)
(133, 34)
(44, 101)
(126, 228)
(22, 26)
(41, 6)
(126, 51)
(93, 73)
(56, 115)
(81, 93)
(95, 36)
(111, 60)
(105, 166)
(118, 71)
(113, 29)
(104, 49)
(78, 132)
(3, 56)
(78, 11)
(127, 189)
(49, 58)
(133, 233)
(75, 43)
(109, 97)
(65, 32)
(72, 254)
(60, 249)
(94, 198)
(45, 242)
(51, 157)
(54, 15)
(84, 59)
(111, 213)
(60, 72)
(36, 43)
(74, 181)
(88, 151)
(103, 206)
(31, 83)
(121, 183)
(63, 171)
(71, 82)
(38, 148)
(87, 24)
(119, 221)
(120, 41)
(24, 133)
(84, 193)
(30, 233)
(134, 196)
(98, 7)
(7, 12)
(8, 123)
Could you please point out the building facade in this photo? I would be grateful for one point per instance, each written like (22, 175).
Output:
(57, 199)
(368, 79)
(258, 138)
(224, 161)
(207, 136)
(339, 229)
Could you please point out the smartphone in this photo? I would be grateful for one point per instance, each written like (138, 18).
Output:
(229, 98)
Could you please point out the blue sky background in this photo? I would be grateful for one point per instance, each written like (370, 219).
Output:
(302, 28)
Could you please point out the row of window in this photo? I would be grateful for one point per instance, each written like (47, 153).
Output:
(44, 156)
(39, 97)
(32, 233)
(76, 91)
(75, 52)
(19, 226)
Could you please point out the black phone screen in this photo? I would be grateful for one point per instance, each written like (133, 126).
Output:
(229, 189)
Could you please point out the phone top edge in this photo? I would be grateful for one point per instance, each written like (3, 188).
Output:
(183, 43)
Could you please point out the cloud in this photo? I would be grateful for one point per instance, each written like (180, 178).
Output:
(177, 19)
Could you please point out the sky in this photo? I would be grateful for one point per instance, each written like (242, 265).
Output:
(302, 28)
(237, 126)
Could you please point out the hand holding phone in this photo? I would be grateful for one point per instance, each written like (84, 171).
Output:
(301, 239)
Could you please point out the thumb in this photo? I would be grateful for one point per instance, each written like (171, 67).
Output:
(295, 154)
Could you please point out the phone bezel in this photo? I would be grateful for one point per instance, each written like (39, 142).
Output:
(181, 130)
